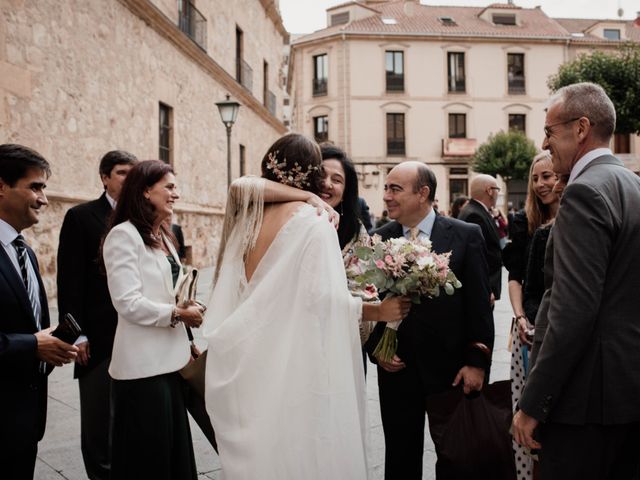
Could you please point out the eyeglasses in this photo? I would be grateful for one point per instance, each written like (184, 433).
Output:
(547, 128)
(494, 188)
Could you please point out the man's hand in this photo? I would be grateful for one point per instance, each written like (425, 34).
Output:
(395, 365)
(492, 299)
(523, 427)
(83, 353)
(472, 378)
(53, 350)
(394, 309)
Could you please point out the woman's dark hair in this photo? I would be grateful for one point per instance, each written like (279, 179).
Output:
(349, 208)
(457, 205)
(298, 153)
(134, 207)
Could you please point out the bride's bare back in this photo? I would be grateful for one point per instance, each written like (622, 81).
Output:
(275, 217)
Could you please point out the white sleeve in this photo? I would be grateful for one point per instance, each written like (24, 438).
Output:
(120, 253)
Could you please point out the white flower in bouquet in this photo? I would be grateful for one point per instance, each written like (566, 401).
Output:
(400, 267)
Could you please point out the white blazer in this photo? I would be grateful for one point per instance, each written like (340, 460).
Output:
(141, 288)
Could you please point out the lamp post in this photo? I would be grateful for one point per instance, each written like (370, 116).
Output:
(228, 113)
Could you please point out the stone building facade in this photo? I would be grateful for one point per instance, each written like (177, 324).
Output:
(81, 77)
(395, 80)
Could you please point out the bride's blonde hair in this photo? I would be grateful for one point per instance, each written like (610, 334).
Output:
(295, 160)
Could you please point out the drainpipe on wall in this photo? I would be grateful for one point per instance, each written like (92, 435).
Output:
(347, 143)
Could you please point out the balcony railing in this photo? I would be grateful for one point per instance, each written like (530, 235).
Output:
(193, 23)
(321, 136)
(395, 82)
(319, 86)
(271, 102)
(246, 75)
(516, 85)
(395, 147)
(459, 147)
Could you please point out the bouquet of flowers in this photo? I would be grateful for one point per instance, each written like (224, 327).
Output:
(400, 267)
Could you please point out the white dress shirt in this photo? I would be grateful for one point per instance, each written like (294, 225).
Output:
(7, 235)
(425, 226)
(585, 160)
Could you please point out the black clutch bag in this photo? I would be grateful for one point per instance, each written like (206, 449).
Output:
(67, 330)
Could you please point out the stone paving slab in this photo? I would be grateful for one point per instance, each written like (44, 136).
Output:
(59, 455)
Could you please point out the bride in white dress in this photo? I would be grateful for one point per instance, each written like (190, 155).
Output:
(284, 380)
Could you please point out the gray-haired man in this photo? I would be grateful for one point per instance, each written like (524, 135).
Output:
(584, 386)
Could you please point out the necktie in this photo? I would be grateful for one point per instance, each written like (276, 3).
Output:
(30, 284)
(413, 233)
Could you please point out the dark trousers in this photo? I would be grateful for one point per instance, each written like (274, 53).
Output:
(402, 406)
(95, 421)
(589, 452)
(18, 462)
(151, 436)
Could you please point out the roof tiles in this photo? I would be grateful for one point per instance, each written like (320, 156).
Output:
(533, 23)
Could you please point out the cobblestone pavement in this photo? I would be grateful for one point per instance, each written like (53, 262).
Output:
(59, 455)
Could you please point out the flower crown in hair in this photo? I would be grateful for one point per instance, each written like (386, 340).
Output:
(294, 177)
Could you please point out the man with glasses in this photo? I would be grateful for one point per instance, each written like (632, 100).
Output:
(580, 402)
(484, 197)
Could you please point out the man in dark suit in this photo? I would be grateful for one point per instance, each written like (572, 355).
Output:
(443, 340)
(484, 196)
(83, 292)
(25, 339)
(583, 389)
(365, 215)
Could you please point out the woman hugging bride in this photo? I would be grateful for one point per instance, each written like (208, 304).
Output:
(284, 379)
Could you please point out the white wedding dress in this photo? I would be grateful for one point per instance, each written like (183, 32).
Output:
(284, 378)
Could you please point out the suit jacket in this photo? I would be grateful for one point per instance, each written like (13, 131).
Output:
(82, 282)
(142, 293)
(474, 212)
(436, 335)
(587, 360)
(23, 397)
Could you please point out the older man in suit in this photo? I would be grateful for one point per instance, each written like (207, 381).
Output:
(583, 389)
(26, 343)
(484, 196)
(444, 340)
(83, 292)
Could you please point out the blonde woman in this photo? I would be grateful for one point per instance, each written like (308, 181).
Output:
(541, 206)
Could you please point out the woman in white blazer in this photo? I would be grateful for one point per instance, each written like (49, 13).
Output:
(150, 434)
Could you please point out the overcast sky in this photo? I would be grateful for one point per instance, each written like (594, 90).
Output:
(305, 16)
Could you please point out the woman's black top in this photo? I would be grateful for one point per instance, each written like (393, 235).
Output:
(534, 277)
(514, 255)
(175, 269)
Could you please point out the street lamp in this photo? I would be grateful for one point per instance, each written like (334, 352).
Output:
(228, 112)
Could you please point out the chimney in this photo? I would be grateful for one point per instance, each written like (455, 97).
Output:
(409, 7)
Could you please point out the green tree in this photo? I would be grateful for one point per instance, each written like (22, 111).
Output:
(507, 154)
(618, 73)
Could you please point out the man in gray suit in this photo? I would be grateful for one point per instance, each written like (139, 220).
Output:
(584, 386)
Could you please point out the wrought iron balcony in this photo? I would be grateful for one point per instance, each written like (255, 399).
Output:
(271, 102)
(395, 147)
(319, 86)
(246, 75)
(395, 82)
(516, 86)
(193, 23)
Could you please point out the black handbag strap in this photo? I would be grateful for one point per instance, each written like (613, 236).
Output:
(189, 333)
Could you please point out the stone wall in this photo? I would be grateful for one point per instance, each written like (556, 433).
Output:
(80, 78)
